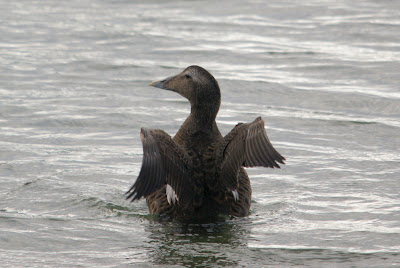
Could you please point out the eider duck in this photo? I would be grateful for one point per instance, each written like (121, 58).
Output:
(199, 174)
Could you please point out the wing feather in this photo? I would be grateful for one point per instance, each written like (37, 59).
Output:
(164, 162)
(246, 145)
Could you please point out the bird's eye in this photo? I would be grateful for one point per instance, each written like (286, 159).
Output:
(187, 76)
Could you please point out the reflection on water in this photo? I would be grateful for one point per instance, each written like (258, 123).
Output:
(189, 244)
(232, 243)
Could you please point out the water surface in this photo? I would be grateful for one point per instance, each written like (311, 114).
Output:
(74, 94)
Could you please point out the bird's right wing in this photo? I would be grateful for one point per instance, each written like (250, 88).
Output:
(246, 145)
(164, 163)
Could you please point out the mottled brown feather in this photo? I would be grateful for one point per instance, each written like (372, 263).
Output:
(246, 145)
(164, 162)
(204, 169)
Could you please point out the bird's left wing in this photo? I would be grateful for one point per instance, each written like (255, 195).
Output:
(164, 163)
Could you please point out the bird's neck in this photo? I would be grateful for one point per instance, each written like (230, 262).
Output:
(202, 117)
(199, 124)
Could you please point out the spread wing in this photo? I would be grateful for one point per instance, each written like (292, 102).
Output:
(164, 163)
(246, 145)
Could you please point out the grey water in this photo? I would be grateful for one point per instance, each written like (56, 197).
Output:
(324, 75)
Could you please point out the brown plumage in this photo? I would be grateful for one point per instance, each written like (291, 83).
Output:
(198, 174)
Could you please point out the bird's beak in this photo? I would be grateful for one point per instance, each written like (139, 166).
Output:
(158, 84)
(161, 83)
